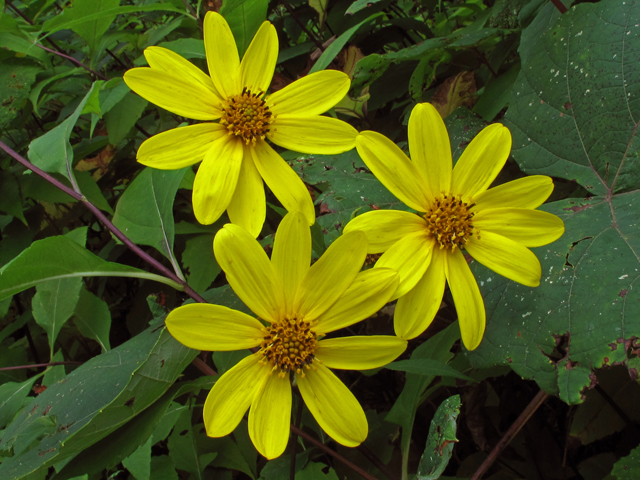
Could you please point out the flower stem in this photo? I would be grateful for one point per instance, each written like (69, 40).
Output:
(101, 216)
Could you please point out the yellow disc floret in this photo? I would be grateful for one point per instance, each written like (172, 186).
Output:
(449, 221)
(289, 345)
(247, 116)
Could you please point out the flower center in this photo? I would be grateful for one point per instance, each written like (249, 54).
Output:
(289, 345)
(247, 116)
(449, 221)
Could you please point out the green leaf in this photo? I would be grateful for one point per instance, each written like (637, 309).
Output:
(347, 190)
(35, 91)
(10, 200)
(12, 396)
(359, 5)
(403, 412)
(442, 436)
(628, 468)
(68, 20)
(55, 258)
(139, 462)
(580, 127)
(96, 399)
(52, 152)
(162, 468)
(199, 259)
(93, 30)
(123, 116)
(244, 18)
(332, 50)
(93, 318)
(145, 210)
(16, 78)
(496, 94)
(427, 367)
(183, 448)
(54, 303)
(186, 47)
(22, 45)
(574, 108)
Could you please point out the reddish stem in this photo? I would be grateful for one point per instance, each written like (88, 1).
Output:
(37, 365)
(559, 5)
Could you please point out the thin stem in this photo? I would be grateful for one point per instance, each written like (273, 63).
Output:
(294, 440)
(116, 232)
(526, 414)
(333, 453)
(120, 62)
(386, 471)
(73, 60)
(193, 13)
(303, 27)
(203, 367)
(559, 5)
(38, 365)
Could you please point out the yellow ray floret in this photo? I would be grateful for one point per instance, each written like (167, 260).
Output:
(236, 157)
(456, 211)
(298, 304)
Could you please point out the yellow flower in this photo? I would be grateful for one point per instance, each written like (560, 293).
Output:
(456, 211)
(234, 152)
(299, 304)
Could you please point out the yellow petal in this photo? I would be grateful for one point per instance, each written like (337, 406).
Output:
(231, 395)
(416, 310)
(430, 148)
(394, 170)
(160, 58)
(248, 207)
(333, 406)
(506, 257)
(481, 161)
(249, 272)
(222, 55)
(180, 95)
(368, 293)
(283, 181)
(291, 254)
(531, 228)
(213, 327)
(383, 228)
(527, 192)
(216, 179)
(410, 257)
(270, 416)
(310, 95)
(359, 353)
(467, 299)
(331, 275)
(259, 61)
(179, 147)
(314, 134)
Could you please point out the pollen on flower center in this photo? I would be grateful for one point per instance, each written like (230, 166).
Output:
(247, 116)
(289, 345)
(449, 221)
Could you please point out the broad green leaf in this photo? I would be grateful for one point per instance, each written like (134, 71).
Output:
(16, 78)
(91, 190)
(97, 398)
(347, 190)
(427, 367)
(315, 471)
(93, 319)
(627, 468)
(576, 103)
(198, 258)
(442, 436)
(10, 200)
(52, 152)
(145, 210)
(123, 116)
(129, 439)
(578, 114)
(54, 303)
(162, 468)
(22, 45)
(496, 94)
(34, 95)
(320, 6)
(244, 18)
(55, 258)
(93, 30)
(186, 47)
(139, 462)
(332, 50)
(359, 5)
(12, 396)
(64, 21)
(403, 412)
(183, 448)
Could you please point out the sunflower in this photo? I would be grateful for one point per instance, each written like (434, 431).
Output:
(296, 305)
(456, 212)
(235, 154)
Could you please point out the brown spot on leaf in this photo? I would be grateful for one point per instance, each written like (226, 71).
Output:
(567, 105)
(576, 208)
(623, 293)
